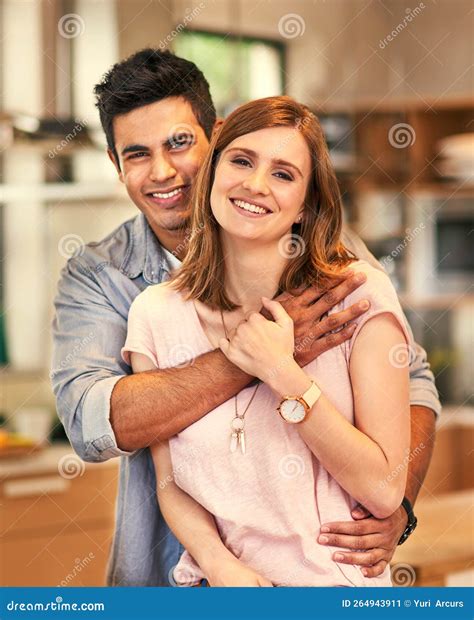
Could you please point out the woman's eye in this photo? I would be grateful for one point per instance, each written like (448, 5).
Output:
(240, 161)
(284, 175)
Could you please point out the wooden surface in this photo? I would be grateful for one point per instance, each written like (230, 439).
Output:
(443, 541)
(56, 519)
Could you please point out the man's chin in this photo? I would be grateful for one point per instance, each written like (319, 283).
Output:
(174, 221)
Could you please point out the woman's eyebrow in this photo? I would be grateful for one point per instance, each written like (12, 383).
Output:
(280, 162)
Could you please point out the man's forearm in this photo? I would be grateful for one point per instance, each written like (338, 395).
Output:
(155, 405)
(423, 429)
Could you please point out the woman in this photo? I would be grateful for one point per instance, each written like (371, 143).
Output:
(246, 488)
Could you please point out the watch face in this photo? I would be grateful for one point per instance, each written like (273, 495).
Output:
(292, 411)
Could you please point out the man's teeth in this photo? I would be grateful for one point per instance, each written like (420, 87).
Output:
(249, 207)
(168, 194)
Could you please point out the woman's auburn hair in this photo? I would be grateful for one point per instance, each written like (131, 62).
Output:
(318, 254)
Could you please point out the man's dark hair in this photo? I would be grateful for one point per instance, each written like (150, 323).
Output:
(145, 77)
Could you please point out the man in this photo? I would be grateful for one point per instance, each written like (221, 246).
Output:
(158, 116)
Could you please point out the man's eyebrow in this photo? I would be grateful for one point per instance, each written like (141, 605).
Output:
(134, 148)
(281, 162)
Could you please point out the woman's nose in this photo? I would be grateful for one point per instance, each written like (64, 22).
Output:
(256, 183)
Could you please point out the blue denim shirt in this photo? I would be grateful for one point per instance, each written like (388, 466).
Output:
(95, 292)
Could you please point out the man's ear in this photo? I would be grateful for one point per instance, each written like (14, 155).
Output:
(113, 159)
(217, 125)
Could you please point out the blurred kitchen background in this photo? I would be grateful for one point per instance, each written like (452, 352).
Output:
(393, 87)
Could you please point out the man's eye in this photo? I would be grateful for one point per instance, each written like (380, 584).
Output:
(181, 140)
(137, 155)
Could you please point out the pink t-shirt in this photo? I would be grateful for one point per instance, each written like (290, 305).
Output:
(270, 502)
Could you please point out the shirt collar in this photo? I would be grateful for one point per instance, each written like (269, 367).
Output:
(145, 254)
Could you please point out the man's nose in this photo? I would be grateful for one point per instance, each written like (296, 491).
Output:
(256, 182)
(162, 168)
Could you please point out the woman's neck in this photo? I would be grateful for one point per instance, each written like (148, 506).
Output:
(253, 271)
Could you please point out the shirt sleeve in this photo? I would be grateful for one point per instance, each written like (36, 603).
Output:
(88, 333)
(139, 330)
(422, 382)
(383, 299)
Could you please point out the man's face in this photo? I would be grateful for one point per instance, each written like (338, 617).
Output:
(160, 148)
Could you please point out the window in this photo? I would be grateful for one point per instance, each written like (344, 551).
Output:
(238, 69)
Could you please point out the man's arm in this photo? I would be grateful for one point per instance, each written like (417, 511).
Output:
(106, 412)
(153, 406)
(376, 539)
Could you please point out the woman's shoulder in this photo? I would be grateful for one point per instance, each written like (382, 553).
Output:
(161, 298)
(377, 288)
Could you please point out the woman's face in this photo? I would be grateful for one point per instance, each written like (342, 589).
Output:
(260, 184)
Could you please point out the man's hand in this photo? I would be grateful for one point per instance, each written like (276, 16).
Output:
(373, 540)
(307, 309)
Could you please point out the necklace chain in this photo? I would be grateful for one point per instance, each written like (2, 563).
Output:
(238, 422)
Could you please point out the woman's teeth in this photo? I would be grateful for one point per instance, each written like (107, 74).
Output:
(247, 206)
(168, 194)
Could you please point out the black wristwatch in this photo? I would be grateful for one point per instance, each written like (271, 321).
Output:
(412, 521)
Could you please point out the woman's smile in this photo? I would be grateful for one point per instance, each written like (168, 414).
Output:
(249, 208)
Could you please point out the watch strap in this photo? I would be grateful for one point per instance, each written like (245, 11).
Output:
(311, 395)
(412, 520)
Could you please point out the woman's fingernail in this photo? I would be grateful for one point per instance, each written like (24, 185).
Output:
(364, 572)
(323, 540)
(364, 304)
(338, 557)
(359, 277)
(325, 529)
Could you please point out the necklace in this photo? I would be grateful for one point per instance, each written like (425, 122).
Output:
(237, 425)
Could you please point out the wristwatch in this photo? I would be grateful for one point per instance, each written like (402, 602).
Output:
(412, 521)
(294, 409)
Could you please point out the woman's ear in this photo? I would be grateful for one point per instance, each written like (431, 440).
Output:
(299, 219)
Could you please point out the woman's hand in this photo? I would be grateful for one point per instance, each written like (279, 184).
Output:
(260, 347)
(233, 573)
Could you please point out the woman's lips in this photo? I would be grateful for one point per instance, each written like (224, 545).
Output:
(238, 206)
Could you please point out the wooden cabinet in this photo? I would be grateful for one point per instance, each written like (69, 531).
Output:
(56, 529)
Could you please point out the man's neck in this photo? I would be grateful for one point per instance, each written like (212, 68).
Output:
(175, 241)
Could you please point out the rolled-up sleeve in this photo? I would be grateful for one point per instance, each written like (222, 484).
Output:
(88, 333)
(422, 382)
